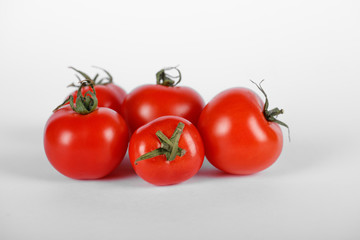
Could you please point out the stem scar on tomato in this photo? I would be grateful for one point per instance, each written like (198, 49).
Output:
(169, 147)
(271, 115)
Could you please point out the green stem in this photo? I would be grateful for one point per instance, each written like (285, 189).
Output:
(271, 115)
(169, 147)
(81, 73)
(162, 78)
(102, 81)
(109, 78)
(163, 138)
(84, 104)
(176, 139)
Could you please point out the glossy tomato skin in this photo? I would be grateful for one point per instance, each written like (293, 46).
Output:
(119, 92)
(149, 102)
(109, 96)
(158, 170)
(237, 137)
(85, 146)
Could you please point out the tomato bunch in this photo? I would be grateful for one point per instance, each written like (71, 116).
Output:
(169, 129)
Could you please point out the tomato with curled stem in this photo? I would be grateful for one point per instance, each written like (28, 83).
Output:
(240, 134)
(108, 94)
(84, 141)
(167, 150)
(149, 102)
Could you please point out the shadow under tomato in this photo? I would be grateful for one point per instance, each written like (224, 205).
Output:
(123, 171)
(301, 155)
(209, 171)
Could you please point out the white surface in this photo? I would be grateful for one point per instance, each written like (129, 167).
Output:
(307, 51)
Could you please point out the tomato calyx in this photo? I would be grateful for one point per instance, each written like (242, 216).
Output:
(102, 81)
(84, 104)
(271, 115)
(169, 147)
(163, 78)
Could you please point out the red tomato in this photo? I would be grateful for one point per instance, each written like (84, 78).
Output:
(240, 135)
(120, 93)
(89, 145)
(108, 94)
(162, 169)
(149, 102)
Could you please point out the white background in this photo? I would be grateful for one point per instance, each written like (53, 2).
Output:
(308, 52)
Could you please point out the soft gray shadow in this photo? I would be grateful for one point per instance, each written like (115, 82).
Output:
(23, 155)
(307, 154)
(297, 156)
(209, 171)
(123, 171)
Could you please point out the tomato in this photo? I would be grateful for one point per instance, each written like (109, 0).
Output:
(85, 143)
(119, 92)
(152, 145)
(149, 102)
(108, 94)
(240, 135)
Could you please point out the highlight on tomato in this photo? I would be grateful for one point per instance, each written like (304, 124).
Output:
(241, 135)
(83, 141)
(108, 94)
(166, 151)
(148, 102)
